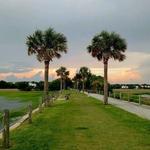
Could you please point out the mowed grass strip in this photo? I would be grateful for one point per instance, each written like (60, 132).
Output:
(83, 123)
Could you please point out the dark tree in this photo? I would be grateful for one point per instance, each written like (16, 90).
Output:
(105, 46)
(46, 46)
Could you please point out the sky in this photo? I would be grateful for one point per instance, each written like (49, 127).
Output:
(79, 21)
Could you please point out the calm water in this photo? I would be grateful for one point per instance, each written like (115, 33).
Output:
(7, 104)
(11, 105)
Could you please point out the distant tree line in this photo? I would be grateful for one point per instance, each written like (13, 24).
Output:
(130, 86)
(38, 86)
(7, 85)
(85, 80)
(93, 83)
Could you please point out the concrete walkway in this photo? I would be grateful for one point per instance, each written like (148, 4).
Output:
(142, 111)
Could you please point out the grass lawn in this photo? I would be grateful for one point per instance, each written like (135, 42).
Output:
(138, 91)
(82, 123)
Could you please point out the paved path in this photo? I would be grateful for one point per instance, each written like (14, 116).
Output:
(134, 108)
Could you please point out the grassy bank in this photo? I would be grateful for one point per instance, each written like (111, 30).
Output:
(83, 124)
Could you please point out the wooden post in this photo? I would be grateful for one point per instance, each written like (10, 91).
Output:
(139, 99)
(5, 133)
(120, 95)
(42, 99)
(45, 100)
(30, 114)
(40, 107)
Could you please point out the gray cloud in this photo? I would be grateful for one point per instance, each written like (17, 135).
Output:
(79, 20)
(15, 67)
(11, 78)
(144, 70)
(36, 77)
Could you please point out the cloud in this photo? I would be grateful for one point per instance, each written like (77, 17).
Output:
(144, 70)
(11, 68)
(15, 77)
(125, 76)
(79, 20)
(11, 78)
(129, 71)
(115, 75)
(36, 74)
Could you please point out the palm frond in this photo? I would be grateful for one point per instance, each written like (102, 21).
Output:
(46, 45)
(107, 45)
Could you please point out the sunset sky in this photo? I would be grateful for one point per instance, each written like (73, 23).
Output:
(79, 21)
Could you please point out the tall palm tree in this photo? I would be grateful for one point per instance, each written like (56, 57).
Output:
(105, 46)
(77, 79)
(46, 45)
(84, 72)
(63, 73)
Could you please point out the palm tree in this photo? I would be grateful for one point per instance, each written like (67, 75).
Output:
(63, 73)
(77, 79)
(97, 84)
(105, 46)
(46, 45)
(96, 81)
(84, 72)
(65, 77)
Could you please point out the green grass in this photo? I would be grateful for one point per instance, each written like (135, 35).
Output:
(134, 95)
(138, 91)
(82, 123)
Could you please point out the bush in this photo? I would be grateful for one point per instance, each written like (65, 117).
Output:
(23, 86)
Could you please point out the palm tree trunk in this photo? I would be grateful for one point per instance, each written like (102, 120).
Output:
(46, 80)
(64, 84)
(105, 83)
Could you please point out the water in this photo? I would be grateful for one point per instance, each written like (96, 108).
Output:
(11, 105)
(7, 104)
